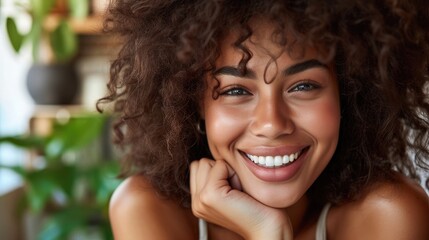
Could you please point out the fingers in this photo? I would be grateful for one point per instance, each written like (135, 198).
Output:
(199, 172)
(199, 169)
(234, 181)
(214, 199)
(193, 168)
(219, 171)
(205, 170)
(210, 189)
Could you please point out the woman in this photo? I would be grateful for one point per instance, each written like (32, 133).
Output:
(271, 119)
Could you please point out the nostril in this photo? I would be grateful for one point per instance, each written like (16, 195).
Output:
(272, 129)
(272, 125)
(272, 116)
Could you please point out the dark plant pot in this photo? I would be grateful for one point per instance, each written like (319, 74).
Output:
(53, 84)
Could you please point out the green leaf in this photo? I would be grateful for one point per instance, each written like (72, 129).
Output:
(35, 36)
(103, 181)
(63, 41)
(78, 132)
(40, 187)
(62, 223)
(65, 177)
(41, 8)
(23, 141)
(43, 183)
(17, 169)
(78, 8)
(16, 39)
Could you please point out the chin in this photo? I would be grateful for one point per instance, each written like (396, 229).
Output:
(276, 200)
(279, 204)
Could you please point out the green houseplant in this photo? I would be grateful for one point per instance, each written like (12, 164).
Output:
(72, 194)
(53, 48)
(62, 39)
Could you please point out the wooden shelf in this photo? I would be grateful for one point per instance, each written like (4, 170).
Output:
(90, 25)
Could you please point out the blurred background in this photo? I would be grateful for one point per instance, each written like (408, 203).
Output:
(57, 164)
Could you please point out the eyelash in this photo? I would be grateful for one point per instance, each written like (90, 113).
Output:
(235, 91)
(308, 85)
(303, 86)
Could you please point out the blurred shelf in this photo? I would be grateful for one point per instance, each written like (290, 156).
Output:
(44, 116)
(52, 110)
(92, 24)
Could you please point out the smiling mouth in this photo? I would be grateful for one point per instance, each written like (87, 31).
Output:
(275, 161)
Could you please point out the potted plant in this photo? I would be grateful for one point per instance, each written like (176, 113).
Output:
(52, 78)
(72, 195)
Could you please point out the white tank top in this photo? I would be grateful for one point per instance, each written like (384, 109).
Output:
(320, 228)
(321, 223)
(202, 225)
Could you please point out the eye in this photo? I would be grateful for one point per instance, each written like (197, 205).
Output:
(235, 91)
(304, 87)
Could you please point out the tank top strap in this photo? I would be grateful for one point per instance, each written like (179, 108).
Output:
(320, 228)
(202, 229)
(321, 223)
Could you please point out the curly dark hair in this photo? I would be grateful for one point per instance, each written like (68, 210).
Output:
(379, 48)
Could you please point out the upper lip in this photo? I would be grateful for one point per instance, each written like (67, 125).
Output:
(273, 151)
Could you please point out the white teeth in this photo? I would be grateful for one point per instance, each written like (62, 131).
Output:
(269, 161)
(261, 160)
(274, 161)
(285, 159)
(278, 161)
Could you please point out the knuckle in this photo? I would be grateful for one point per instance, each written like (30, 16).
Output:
(207, 161)
(202, 200)
(206, 198)
(193, 165)
(197, 208)
(194, 209)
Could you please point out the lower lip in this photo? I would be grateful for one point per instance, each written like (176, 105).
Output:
(277, 174)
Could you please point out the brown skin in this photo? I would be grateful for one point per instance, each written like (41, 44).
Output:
(386, 211)
(379, 48)
(136, 210)
(298, 111)
(395, 209)
(236, 202)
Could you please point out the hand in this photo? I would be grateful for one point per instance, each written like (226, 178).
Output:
(216, 197)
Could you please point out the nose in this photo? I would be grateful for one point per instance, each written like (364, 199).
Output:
(272, 118)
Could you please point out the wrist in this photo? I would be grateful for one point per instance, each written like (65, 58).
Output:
(274, 235)
(279, 230)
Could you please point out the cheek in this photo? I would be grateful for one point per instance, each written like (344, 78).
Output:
(325, 119)
(322, 121)
(223, 126)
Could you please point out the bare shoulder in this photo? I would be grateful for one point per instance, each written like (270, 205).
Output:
(136, 211)
(388, 210)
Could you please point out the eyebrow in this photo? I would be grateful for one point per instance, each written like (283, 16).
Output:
(233, 71)
(294, 69)
(302, 66)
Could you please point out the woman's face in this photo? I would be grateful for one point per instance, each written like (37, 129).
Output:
(277, 136)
